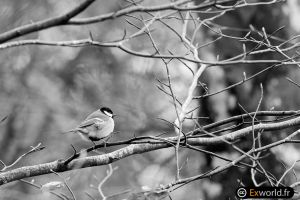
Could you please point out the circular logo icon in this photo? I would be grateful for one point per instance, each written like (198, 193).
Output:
(241, 192)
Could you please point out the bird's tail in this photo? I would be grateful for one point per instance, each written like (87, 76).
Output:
(70, 131)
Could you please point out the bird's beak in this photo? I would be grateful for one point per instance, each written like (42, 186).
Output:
(114, 115)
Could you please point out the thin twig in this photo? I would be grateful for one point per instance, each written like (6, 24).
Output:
(67, 185)
(109, 173)
(36, 148)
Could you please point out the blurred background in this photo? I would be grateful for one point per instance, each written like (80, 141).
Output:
(47, 90)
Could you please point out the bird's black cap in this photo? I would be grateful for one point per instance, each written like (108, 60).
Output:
(107, 110)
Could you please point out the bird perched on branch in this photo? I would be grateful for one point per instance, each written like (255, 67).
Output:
(97, 126)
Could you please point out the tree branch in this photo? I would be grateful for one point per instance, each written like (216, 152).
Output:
(58, 165)
(44, 24)
(139, 8)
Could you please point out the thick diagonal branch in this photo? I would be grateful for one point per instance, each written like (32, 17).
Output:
(44, 24)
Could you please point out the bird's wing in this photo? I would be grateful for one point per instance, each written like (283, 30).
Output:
(94, 115)
(89, 122)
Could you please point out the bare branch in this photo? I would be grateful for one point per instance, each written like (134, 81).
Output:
(33, 149)
(44, 24)
(58, 166)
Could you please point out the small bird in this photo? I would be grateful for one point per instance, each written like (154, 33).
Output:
(97, 126)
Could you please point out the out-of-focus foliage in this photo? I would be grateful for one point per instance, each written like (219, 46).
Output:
(47, 90)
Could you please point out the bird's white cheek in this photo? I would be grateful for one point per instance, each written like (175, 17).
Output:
(107, 113)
